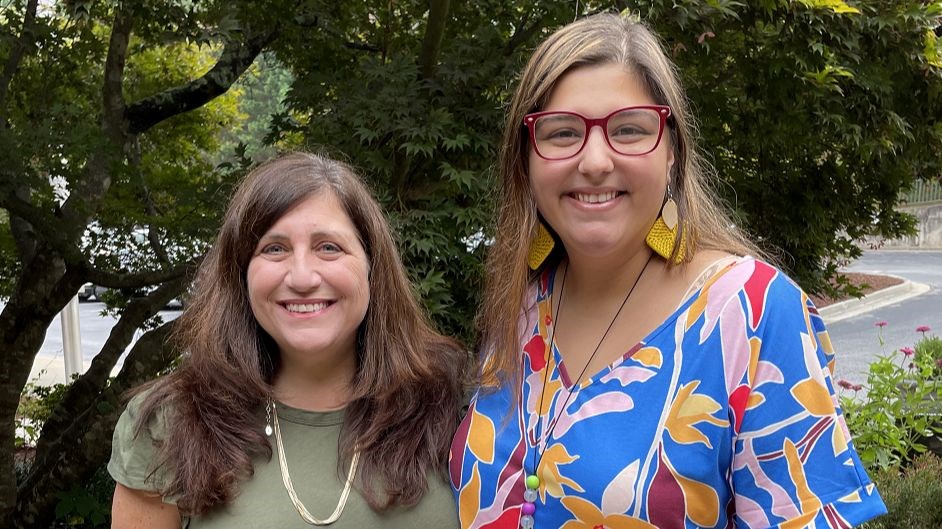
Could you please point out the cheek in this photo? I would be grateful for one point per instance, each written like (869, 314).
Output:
(260, 279)
(356, 276)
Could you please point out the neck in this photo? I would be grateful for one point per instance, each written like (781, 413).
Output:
(598, 279)
(315, 389)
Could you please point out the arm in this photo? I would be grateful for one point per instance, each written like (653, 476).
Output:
(138, 509)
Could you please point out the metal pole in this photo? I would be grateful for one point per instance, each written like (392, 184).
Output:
(71, 339)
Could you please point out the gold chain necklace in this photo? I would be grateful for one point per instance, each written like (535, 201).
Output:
(286, 477)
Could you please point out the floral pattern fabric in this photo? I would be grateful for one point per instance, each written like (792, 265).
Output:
(723, 416)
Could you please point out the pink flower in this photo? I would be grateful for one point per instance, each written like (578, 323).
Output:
(939, 362)
(908, 351)
(923, 329)
(880, 324)
(845, 384)
(857, 387)
(912, 365)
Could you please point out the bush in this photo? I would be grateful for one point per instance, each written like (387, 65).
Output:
(911, 496)
(81, 507)
(929, 352)
(901, 412)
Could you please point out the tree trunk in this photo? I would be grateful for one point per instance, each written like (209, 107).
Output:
(43, 290)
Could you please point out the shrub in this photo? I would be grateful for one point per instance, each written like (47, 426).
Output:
(902, 409)
(911, 495)
(929, 352)
(81, 507)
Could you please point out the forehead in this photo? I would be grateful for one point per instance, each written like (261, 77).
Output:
(318, 212)
(597, 90)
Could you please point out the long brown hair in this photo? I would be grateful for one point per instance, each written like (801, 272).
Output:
(406, 390)
(596, 40)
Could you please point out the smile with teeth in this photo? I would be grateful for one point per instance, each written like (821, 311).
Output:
(595, 198)
(306, 307)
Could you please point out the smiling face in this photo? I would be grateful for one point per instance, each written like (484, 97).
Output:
(599, 202)
(308, 283)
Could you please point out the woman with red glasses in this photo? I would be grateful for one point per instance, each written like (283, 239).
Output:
(641, 367)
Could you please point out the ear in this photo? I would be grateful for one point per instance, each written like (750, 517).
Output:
(670, 160)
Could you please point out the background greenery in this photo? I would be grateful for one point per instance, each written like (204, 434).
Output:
(125, 125)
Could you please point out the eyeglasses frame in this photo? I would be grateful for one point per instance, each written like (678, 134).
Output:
(529, 120)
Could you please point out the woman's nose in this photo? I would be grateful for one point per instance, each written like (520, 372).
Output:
(596, 155)
(304, 273)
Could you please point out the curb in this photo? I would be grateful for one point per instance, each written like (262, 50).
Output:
(881, 298)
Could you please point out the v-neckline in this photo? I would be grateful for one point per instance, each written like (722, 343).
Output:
(560, 366)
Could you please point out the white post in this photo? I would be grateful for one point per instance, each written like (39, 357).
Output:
(71, 339)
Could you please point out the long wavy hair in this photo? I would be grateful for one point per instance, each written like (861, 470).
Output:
(407, 389)
(705, 223)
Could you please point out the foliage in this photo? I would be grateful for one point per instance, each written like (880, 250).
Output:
(911, 495)
(261, 92)
(85, 505)
(36, 405)
(928, 351)
(900, 412)
(806, 109)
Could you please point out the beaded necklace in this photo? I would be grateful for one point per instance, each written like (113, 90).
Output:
(532, 481)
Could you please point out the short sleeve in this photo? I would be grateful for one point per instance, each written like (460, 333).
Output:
(793, 459)
(134, 453)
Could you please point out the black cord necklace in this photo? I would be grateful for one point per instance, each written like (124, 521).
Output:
(532, 481)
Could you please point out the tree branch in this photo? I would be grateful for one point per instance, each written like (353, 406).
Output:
(432, 43)
(523, 33)
(362, 47)
(90, 190)
(41, 226)
(134, 158)
(16, 55)
(142, 279)
(85, 390)
(112, 91)
(85, 444)
(236, 57)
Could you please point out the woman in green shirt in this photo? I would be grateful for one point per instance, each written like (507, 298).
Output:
(313, 389)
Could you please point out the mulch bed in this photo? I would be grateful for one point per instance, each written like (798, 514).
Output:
(866, 282)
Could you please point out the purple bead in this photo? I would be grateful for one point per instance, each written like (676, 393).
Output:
(528, 508)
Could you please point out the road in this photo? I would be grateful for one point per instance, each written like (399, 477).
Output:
(857, 339)
(94, 328)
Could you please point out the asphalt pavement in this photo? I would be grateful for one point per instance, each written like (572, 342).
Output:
(94, 327)
(855, 335)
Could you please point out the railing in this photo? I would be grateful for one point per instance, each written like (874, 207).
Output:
(922, 191)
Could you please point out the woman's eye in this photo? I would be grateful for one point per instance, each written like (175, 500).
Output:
(329, 247)
(274, 249)
(627, 130)
(564, 133)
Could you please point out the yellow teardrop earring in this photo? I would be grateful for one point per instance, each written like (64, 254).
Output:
(663, 233)
(540, 247)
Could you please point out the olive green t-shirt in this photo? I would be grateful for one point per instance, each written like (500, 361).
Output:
(310, 442)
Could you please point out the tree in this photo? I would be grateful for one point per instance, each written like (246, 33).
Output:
(108, 115)
(816, 113)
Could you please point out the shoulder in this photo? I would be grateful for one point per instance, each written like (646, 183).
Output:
(763, 292)
(149, 413)
(134, 460)
(747, 274)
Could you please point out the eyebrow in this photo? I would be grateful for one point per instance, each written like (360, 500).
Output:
(317, 234)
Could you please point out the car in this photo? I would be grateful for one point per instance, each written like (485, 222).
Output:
(89, 291)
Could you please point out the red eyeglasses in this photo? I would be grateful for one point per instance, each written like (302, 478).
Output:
(631, 131)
